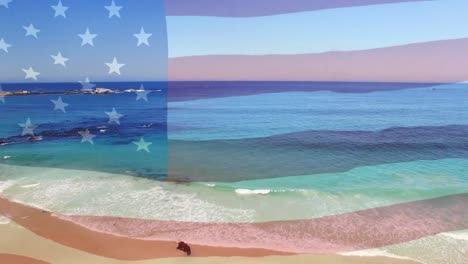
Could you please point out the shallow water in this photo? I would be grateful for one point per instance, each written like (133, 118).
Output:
(300, 197)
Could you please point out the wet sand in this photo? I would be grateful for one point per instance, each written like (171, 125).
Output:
(16, 259)
(67, 233)
(46, 226)
(20, 244)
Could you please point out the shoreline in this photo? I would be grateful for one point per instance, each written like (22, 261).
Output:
(67, 233)
(332, 234)
(20, 244)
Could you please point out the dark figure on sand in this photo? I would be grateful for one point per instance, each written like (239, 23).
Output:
(184, 247)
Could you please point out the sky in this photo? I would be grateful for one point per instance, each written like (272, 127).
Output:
(341, 29)
(58, 34)
(194, 33)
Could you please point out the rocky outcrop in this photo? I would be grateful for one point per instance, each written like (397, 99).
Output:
(95, 91)
(103, 91)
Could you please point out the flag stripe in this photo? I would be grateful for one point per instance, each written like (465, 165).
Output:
(438, 61)
(249, 8)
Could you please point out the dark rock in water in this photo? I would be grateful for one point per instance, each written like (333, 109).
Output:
(184, 247)
(4, 142)
(35, 138)
(95, 91)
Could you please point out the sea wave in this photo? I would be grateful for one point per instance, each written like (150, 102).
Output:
(460, 235)
(250, 192)
(6, 184)
(61, 190)
(30, 185)
(4, 220)
(226, 187)
(374, 252)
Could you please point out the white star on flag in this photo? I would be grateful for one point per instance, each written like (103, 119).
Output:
(113, 10)
(86, 136)
(5, 3)
(56, 33)
(60, 9)
(59, 59)
(86, 85)
(87, 38)
(142, 145)
(2, 98)
(4, 46)
(31, 30)
(28, 128)
(114, 117)
(142, 37)
(114, 67)
(59, 104)
(31, 74)
(142, 94)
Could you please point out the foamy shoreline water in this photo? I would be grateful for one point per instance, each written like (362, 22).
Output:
(13, 237)
(373, 252)
(4, 220)
(21, 182)
(392, 252)
(61, 190)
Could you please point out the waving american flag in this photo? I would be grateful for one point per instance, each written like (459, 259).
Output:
(331, 127)
(95, 72)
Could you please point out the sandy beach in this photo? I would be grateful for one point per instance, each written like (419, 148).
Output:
(35, 235)
(19, 245)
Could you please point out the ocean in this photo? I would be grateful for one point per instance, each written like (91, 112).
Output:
(244, 152)
(61, 143)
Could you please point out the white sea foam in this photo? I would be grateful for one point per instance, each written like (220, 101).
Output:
(93, 193)
(115, 195)
(436, 249)
(4, 220)
(251, 192)
(4, 185)
(374, 252)
(6, 157)
(460, 235)
(30, 185)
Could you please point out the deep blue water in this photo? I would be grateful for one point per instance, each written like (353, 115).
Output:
(192, 90)
(113, 149)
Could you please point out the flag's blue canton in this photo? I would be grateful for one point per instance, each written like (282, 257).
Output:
(114, 47)
(66, 40)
